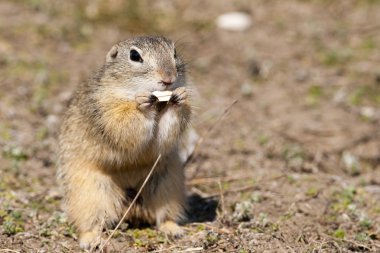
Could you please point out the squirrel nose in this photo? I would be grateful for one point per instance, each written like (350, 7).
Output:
(168, 79)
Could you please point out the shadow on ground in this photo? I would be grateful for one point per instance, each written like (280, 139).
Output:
(200, 209)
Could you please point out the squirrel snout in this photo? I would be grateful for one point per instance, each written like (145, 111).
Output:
(168, 81)
(168, 78)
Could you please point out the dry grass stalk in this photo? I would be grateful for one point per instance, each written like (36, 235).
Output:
(213, 180)
(209, 130)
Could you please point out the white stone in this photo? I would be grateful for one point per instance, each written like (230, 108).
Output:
(234, 21)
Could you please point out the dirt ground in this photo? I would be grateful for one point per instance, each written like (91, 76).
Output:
(293, 166)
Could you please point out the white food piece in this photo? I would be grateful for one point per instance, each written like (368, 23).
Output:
(163, 96)
(234, 21)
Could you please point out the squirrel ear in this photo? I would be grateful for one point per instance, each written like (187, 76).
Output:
(112, 54)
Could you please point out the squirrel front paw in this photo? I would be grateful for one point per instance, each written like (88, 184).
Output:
(145, 100)
(179, 96)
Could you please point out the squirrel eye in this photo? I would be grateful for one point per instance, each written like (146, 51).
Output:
(135, 56)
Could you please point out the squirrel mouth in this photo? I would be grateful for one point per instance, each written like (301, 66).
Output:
(166, 83)
(165, 87)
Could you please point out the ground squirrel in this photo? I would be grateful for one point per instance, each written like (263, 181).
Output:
(113, 132)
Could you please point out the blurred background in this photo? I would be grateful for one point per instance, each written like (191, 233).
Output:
(294, 166)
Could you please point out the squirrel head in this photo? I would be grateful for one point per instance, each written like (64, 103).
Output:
(145, 63)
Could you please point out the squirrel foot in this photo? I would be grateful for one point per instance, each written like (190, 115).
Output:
(90, 240)
(171, 228)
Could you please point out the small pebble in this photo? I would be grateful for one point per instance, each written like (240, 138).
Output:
(246, 89)
(367, 112)
(243, 211)
(52, 121)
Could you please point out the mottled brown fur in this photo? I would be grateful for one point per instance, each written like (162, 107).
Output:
(112, 134)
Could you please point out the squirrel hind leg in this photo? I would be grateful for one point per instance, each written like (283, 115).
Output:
(93, 200)
(169, 198)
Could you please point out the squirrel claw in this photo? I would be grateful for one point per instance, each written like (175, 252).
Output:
(179, 96)
(145, 100)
